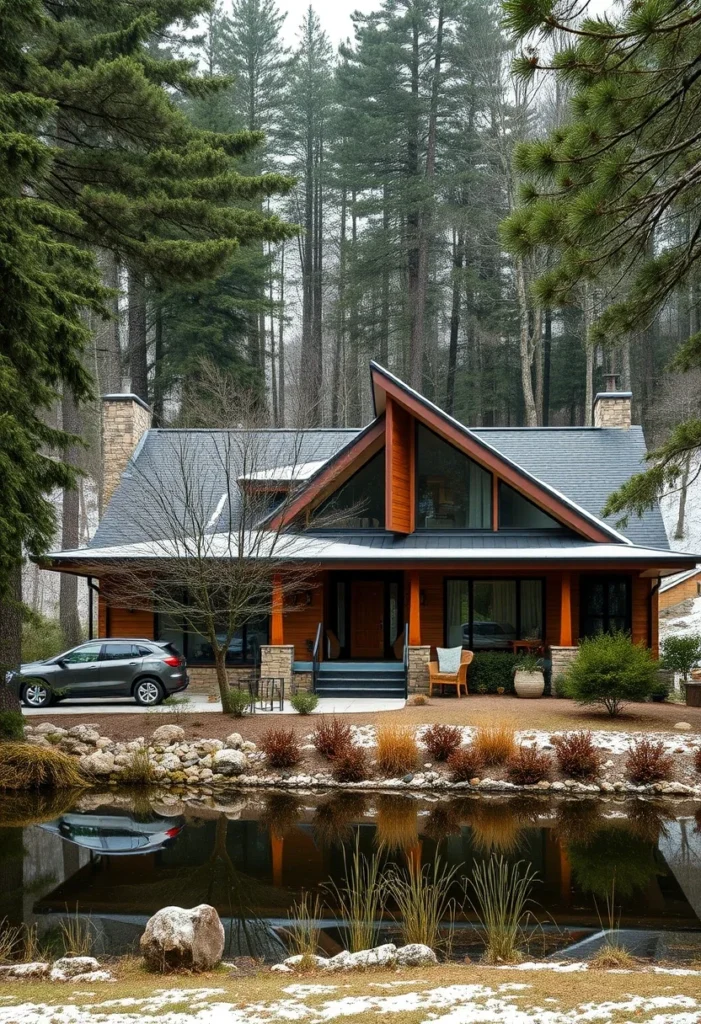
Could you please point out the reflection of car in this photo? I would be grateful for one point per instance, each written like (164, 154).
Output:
(116, 832)
(146, 670)
(499, 635)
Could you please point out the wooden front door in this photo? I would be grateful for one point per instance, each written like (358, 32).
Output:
(367, 619)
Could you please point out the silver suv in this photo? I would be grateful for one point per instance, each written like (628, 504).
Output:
(146, 670)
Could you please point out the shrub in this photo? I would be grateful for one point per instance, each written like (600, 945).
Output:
(681, 653)
(41, 638)
(660, 689)
(351, 765)
(28, 766)
(304, 703)
(140, 771)
(280, 747)
(465, 763)
(529, 766)
(648, 762)
(442, 740)
(332, 736)
(11, 725)
(490, 670)
(495, 743)
(397, 751)
(239, 702)
(419, 700)
(609, 671)
(576, 755)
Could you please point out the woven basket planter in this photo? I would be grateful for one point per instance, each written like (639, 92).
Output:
(529, 684)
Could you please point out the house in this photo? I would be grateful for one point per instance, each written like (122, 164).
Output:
(491, 538)
(684, 586)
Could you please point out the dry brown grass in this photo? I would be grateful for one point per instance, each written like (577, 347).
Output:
(28, 766)
(495, 827)
(397, 822)
(496, 743)
(396, 749)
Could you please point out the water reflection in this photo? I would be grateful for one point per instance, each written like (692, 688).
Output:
(120, 858)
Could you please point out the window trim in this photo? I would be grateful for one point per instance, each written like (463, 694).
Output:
(586, 579)
(471, 580)
(460, 529)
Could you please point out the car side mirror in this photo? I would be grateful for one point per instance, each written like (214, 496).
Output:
(62, 662)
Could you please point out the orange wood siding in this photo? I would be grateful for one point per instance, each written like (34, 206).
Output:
(300, 620)
(101, 616)
(685, 591)
(640, 610)
(399, 470)
(136, 623)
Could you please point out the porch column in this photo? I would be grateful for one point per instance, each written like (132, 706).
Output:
(414, 610)
(276, 633)
(566, 610)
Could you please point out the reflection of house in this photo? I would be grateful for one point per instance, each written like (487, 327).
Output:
(683, 586)
(480, 537)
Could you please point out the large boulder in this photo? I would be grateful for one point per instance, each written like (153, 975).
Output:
(234, 741)
(416, 955)
(364, 959)
(168, 734)
(229, 762)
(176, 938)
(69, 967)
(99, 763)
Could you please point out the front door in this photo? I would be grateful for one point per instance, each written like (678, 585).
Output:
(367, 619)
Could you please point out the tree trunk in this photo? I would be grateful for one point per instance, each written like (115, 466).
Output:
(529, 329)
(679, 530)
(70, 529)
(10, 635)
(138, 348)
(384, 302)
(353, 411)
(547, 355)
(222, 679)
(413, 225)
(458, 249)
(158, 355)
(273, 371)
(589, 350)
(281, 341)
(340, 319)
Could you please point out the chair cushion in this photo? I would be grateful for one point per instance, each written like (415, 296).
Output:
(449, 659)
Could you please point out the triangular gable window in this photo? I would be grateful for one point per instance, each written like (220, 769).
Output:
(359, 502)
(453, 491)
(518, 513)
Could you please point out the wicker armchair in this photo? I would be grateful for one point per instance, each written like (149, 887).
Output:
(457, 679)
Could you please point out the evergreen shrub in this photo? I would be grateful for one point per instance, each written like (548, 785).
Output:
(609, 671)
(490, 670)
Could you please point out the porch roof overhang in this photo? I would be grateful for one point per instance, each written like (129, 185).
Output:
(368, 549)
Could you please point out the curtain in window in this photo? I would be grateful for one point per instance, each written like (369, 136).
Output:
(531, 609)
(458, 613)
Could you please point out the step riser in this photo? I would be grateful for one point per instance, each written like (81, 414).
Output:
(350, 694)
(343, 677)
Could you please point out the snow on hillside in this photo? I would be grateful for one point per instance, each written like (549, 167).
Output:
(688, 618)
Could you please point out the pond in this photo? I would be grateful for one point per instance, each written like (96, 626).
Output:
(110, 860)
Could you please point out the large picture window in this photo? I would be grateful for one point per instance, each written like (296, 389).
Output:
(244, 646)
(605, 604)
(453, 492)
(518, 513)
(360, 501)
(491, 614)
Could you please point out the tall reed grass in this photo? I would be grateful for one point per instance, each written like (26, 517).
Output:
(77, 933)
(304, 929)
(501, 897)
(494, 744)
(612, 955)
(396, 749)
(360, 898)
(20, 943)
(424, 906)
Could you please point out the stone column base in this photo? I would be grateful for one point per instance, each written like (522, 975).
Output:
(276, 663)
(417, 676)
(562, 658)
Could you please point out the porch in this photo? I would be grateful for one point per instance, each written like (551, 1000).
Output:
(369, 631)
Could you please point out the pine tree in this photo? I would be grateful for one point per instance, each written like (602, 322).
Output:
(606, 189)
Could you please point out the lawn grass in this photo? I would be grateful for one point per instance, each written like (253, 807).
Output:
(502, 989)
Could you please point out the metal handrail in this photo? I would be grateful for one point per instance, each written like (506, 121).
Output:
(315, 655)
(406, 660)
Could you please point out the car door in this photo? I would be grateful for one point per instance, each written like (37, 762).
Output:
(120, 662)
(79, 674)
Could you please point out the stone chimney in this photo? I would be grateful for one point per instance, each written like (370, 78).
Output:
(612, 408)
(125, 420)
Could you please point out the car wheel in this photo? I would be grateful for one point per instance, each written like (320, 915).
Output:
(36, 695)
(148, 693)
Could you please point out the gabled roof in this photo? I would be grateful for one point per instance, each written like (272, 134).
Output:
(680, 577)
(580, 465)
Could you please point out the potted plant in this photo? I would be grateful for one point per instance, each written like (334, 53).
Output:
(529, 680)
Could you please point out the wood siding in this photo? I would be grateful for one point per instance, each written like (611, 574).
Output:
(399, 470)
(301, 620)
(687, 590)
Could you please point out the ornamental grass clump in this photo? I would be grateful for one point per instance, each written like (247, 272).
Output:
(577, 757)
(423, 902)
(351, 765)
(465, 763)
(529, 766)
(304, 930)
(29, 766)
(648, 762)
(332, 736)
(495, 743)
(501, 900)
(280, 747)
(609, 671)
(140, 770)
(441, 740)
(396, 749)
(359, 899)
